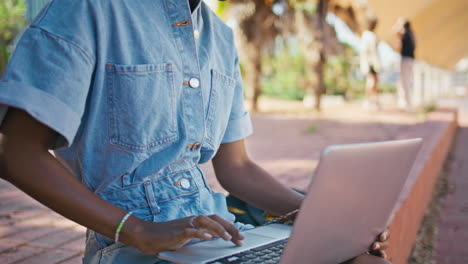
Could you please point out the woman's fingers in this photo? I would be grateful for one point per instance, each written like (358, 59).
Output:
(380, 245)
(218, 227)
(212, 226)
(202, 234)
(179, 232)
(384, 236)
(229, 227)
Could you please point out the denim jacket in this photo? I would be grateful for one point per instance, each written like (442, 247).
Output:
(140, 93)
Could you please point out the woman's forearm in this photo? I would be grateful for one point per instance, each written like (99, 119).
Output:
(46, 180)
(256, 186)
(26, 163)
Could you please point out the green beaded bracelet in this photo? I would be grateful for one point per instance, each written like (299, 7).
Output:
(119, 228)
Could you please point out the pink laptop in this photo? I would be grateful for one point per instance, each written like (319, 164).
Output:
(349, 202)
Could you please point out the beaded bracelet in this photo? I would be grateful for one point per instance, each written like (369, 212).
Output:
(281, 217)
(119, 227)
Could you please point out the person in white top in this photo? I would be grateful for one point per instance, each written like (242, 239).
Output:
(370, 64)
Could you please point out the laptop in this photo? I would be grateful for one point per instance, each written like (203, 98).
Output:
(349, 202)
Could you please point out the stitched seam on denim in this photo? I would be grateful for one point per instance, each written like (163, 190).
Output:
(150, 198)
(139, 207)
(118, 143)
(173, 34)
(124, 72)
(219, 79)
(101, 246)
(205, 212)
(216, 20)
(182, 65)
(116, 138)
(112, 247)
(162, 67)
(45, 14)
(205, 183)
(178, 195)
(194, 43)
(53, 98)
(173, 114)
(132, 208)
(172, 174)
(44, 93)
(88, 57)
(110, 106)
(208, 141)
(212, 109)
(123, 201)
(147, 201)
(83, 175)
(225, 78)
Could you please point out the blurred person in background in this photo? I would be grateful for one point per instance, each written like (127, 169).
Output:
(370, 65)
(406, 44)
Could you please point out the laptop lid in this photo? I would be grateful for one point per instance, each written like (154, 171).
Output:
(349, 200)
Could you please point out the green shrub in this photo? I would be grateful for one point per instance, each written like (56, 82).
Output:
(11, 21)
(283, 74)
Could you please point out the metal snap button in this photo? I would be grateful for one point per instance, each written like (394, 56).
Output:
(196, 34)
(184, 183)
(194, 83)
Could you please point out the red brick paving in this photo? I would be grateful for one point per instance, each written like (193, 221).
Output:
(287, 146)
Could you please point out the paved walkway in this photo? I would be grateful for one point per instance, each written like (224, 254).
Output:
(452, 238)
(286, 145)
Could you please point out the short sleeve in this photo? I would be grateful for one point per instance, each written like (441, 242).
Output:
(49, 78)
(240, 124)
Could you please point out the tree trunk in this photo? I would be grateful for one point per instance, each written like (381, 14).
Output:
(322, 10)
(259, 32)
(256, 85)
(320, 85)
(253, 67)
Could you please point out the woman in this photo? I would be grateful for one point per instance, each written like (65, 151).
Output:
(132, 96)
(407, 45)
(370, 64)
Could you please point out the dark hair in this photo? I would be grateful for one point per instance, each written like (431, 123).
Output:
(409, 31)
(372, 24)
(407, 26)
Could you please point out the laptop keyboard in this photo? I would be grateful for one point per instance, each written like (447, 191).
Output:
(269, 253)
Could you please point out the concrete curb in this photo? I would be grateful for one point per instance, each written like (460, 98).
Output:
(438, 133)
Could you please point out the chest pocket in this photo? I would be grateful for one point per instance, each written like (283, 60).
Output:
(219, 107)
(141, 106)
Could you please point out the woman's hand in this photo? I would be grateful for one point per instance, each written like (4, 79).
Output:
(380, 245)
(376, 252)
(171, 235)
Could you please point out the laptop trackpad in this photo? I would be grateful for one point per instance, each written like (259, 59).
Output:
(214, 249)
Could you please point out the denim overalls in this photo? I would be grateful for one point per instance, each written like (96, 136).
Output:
(140, 92)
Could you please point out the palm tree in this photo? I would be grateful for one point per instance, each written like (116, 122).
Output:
(311, 29)
(259, 29)
(305, 18)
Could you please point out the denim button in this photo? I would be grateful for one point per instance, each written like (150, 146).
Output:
(196, 34)
(194, 83)
(184, 183)
(196, 146)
